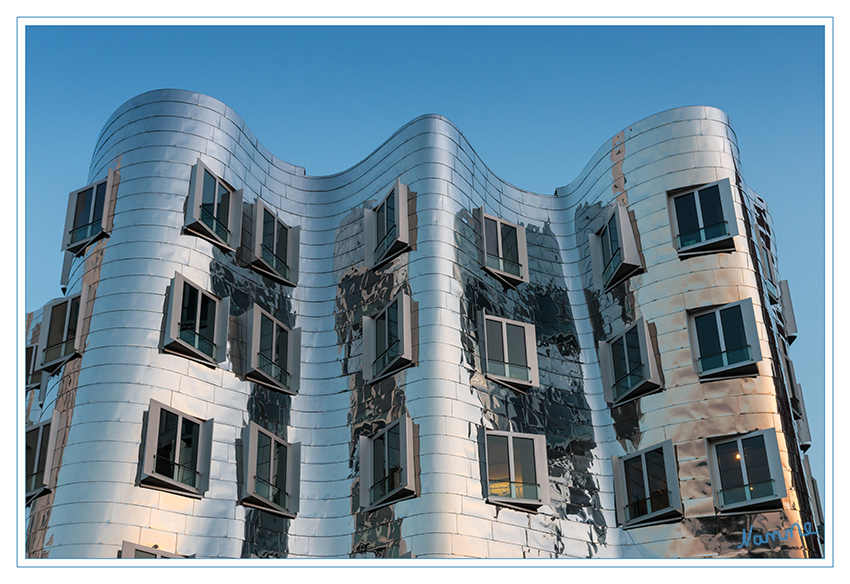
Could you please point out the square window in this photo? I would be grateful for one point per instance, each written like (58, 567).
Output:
(214, 208)
(177, 451)
(33, 373)
(646, 486)
(60, 338)
(746, 471)
(703, 219)
(386, 226)
(139, 552)
(787, 312)
(274, 351)
(40, 445)
(274, 246)
(628, 364)
(510, 350)
(613, 248)
(386, 464)
(272, 472)
(503, 249)
(517, 469)
(89, 211)
(196, 323)
(724, 340)
(387, 339)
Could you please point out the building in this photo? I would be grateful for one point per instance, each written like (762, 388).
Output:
(413, 358)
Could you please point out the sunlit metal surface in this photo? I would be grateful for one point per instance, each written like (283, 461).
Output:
(103, 396)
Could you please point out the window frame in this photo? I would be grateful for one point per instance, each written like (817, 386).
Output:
(630, 262)
(530, 352)
(194, 223)
(129, 548)
(406, 487)
(250, 496)
(31, 367)
(541, 471)
(650, 379)
(719, 243)
(673, 511)
(259, 260)
(402, 242)
(76, 345)
(747, 368)
(507, 278)
(404, 358)
(51, 426)
(172, 341)
(100, 228)
(152, 479)
(254, 370)
(774, 467)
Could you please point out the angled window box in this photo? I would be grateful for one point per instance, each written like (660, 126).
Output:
(87, 218)
(387, 228)
(724, 341)
(787, 312)
(517, 470)
(387, 339)
(274, 351)
(703, 219)
(33, 373)
(510, 350)
(646, 486)
(60, 339)
(177, 452)
(196, 322)
(272, 472)
(768, 270)
(135, 551)
(503, 249)
(386, 465)
(628, 365)
(40, 446)
(274, 245)
(213, 209)
(613, 249)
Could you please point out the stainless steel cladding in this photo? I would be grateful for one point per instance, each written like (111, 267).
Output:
(413, 358)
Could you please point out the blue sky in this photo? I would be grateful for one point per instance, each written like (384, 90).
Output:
(534, 101)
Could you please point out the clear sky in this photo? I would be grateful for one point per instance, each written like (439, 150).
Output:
(534, 102)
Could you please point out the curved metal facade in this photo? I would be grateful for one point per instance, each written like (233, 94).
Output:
(104, 395)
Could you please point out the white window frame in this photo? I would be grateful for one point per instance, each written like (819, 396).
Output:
(71, 347)
(33, 374)
(390, 248)
(671, 511)
(788, 317)
(495, 267)
(406, 481)
(626, 261)
(128, 551)
(51, 427)
(719, 243)
(95, 229)
(647, 379)
(263, 259)
(251, 497)
(746, 368)
(257, 370)
(372, 373)
(541, 471)
(774, 466)
(155, 480)
(194, 223)
(172, 341)
(530, 353)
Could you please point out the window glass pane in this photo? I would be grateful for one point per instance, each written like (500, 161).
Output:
(73, 315)
(510, 251)
(266, 336)
(382, 222)
(755, 456)
(264, 462)
(612, 238)
(392, 323)
(99, 198)
(635, 487)
(708, 339)
(282, 242)
(379, 460)
(618, 352)
(390, 211)
(733, 334)
(498, 467)
(166, 445)
(189, 309)
(42, 456)
(393, 448)
(525, 476)
(712, 210)
(687, 220)
(279, 469)
(208, 196)
(206, 325)
(269, 230)
(495, 346)
(189, 436)
(31, 450)
(659, 497)
(516, 345)
(491, 237)
(143, 555)
(633, 349)
(381, 334)
(57, 325)
(731, 477)
(82, 212)
(223, 204)
(282, 347)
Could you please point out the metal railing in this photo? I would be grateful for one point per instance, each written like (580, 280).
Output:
(59, 350)
(748, 492)
(270, 492)
(277, 264)
(385, 243)
(34, 481)
(217, 226)
(655, 502)
(724, 358)
(703, 234)
(274, 370)
(509, 370)
(386, 485)
(628, 381)
(179, 472)
(515, 490)
(196, 340)
(385, 358)
(86, 231)
(504, 265)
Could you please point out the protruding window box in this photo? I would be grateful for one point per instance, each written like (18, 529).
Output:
(724, 340)
(134, 551)
(88, 216)
(628, 364)
(387, 339)
(613, 249)
(509, 352)
(788, 312)
(60, 339)
(272, 472)
(274, 351)
(275, 245)
(33, 373)
(196, 322)
(40, 446)
(517, 470)
(386, 465)
(386, 227)
(703, 219)
(646, 486)
(214, 208)
(503, 249)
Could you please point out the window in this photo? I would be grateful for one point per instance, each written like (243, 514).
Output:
(386, 464)
(272, 472)
(33, 373)
(387, 339)
(503, 249)
(177, 451)
(40, 445)
(768, 270)
(703, 219)
(275, 246)
(214, 208)
(511, 352)
(139, 552)
(386, 227)
(787, 312)
(613, 249)
(628, 364)
(88, 213)
(196, 323)
(646, 486)
(726, 341)
(274, 351)
(746, 471)
(59, 340)
(517, 469)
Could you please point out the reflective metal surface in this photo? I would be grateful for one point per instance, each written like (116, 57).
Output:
(103, 396)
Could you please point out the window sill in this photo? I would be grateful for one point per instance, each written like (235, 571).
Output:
(263, 268)
(184, 349)
(395, 250)
(397, 365)
(35, 494)
(257, 376)
(506, 278)
(78, 248)
(668, 515)
(396, 496)
(725, 243)
(163, 483)
(200, 229)
(764, 503)
(645, 387)
(257, 502)
(516, 384)
(746, 369)
(524, 505)
(52, 367)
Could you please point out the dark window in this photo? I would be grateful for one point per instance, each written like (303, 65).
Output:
(88, 212)
(502, 247)
(386, 224)
(722, 338)
(511, 467)
(62, 329)
(646, 484)
(744, 470)
(197, 320)
(507, 353)
(274, 350)
(177, 449)
(215, 206)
